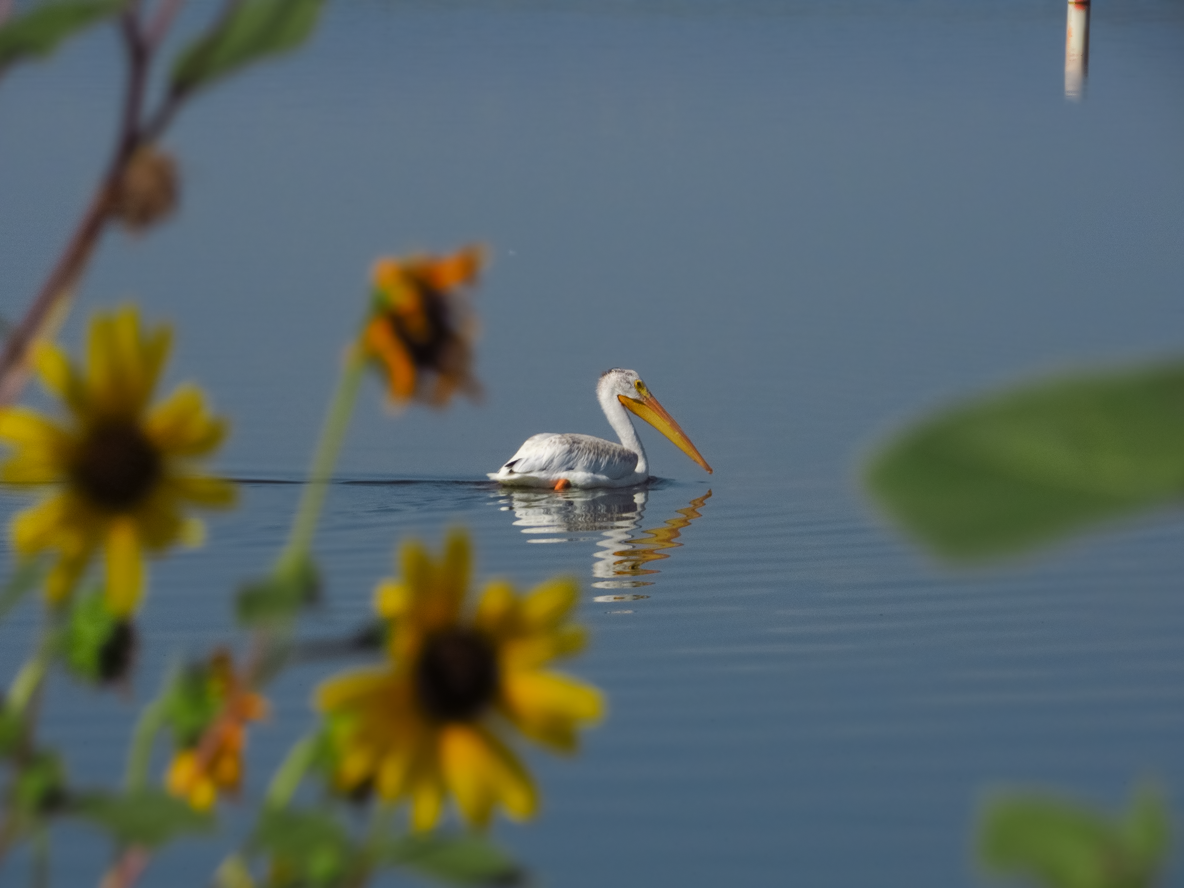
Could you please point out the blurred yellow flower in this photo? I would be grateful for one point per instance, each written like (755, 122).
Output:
(420, 332)
(429, 725)
(120, 471)
(215, 762)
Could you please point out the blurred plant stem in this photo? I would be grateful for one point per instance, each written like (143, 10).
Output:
(291, 771)
(41, 857)
(152, 717)
(49, 307)
(296, 553)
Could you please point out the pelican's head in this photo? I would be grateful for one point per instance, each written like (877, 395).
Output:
(626, 386)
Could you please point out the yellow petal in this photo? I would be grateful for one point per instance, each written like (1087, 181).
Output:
(125, 568)
(201, 490)
(348, 689)
(454, 572)
(496, 609)
(538, 649)
(391, 599)
(153, 355)
(203, 794)
(427, 800)
(33, 467)
(101, 372)
(549, 696)
(58, 376)
(417, 569)
(44, 525)
(357, 764)
(467, 768)
(480, 770)
(182, 772)
(549, 604)
(64, 575)
(395, 771)
(193, 533)
(27, 428)
(181, 425)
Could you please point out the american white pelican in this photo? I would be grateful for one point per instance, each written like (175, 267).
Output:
(562, 461)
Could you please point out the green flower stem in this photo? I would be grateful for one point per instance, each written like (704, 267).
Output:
(289, 774)
(152, 717)
(296, 554)
(40, 855)
(25, 685)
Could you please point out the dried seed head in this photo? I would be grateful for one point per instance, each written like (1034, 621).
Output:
(148, 191)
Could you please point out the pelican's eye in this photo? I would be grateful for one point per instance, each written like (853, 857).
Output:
(640, 386)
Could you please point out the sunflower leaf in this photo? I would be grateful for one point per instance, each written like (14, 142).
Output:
(147, 817)
(1146, 831)
(278, 596)
(38, 32)
(458, 860)
(250, 31)
(1061, 844)
(1013, 470)
(311, 844)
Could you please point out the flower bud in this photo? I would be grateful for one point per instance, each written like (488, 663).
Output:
(148, 190)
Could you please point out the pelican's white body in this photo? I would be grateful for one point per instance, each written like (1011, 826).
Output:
(582, 460)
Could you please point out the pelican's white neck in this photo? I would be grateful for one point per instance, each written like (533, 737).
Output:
(618, 418)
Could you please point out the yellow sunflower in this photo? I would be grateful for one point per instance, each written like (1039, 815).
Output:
(120, 470)
(215, 762)
(420, 331)
(431, 724)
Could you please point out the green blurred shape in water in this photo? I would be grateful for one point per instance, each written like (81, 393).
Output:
(1012, 470)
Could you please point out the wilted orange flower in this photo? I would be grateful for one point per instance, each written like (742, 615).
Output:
(432, 724)
(420, 332)
(215, 763)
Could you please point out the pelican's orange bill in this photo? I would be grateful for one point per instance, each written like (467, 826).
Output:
(655, 414)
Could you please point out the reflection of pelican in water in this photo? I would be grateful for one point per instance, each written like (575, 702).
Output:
(611, 517)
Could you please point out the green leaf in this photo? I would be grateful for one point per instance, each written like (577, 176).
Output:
(311, 846)
(27, 575)
(279, 596)
(12, 729)
(252, 30)
(146, 817)
(1146, 831)
(37, 33)
(40, 784)
(1061, 844)
(191, 704)
(98, 645)
(1014, 470)
(459, 860)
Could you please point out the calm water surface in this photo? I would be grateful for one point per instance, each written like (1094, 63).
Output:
(801, 222)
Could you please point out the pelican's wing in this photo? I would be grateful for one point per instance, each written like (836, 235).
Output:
(548, 454)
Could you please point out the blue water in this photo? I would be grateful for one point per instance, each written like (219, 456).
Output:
(802, 223)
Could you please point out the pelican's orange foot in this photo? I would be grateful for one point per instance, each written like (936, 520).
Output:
(562, 484)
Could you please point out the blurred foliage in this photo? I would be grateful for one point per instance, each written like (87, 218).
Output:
(1057, 843)
(147, 817)
(247, 32)
(98, 645)
(458, 860)
(1016, 469)
(38, 32)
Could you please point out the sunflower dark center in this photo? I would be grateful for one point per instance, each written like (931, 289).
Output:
(116, 465)
(427, 338)
(457, 675)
